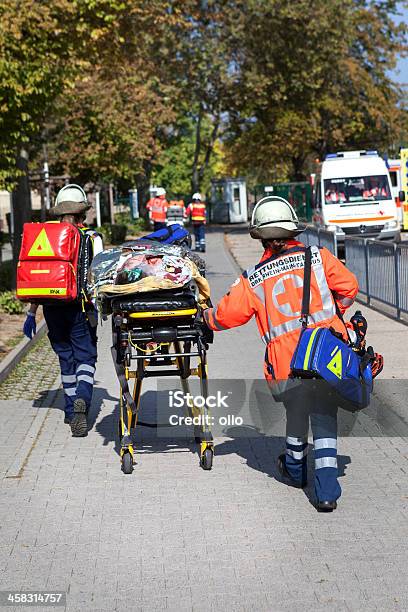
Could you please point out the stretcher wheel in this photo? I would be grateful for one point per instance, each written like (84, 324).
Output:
(127, 463)
(206, 460)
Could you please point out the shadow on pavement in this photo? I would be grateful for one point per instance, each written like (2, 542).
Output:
(99, 396)
(146, 437)
(261, 453)
(54, 399)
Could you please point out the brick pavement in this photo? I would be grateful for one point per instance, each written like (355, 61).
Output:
(171, 536)
(33, 376)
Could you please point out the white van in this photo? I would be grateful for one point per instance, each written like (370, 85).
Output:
(353, 196)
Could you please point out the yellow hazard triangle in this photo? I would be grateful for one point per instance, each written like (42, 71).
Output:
(41, 246)
(336, 364)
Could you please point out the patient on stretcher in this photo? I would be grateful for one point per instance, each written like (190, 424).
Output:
(146, 266)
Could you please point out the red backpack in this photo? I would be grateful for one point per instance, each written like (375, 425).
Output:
(52, 263)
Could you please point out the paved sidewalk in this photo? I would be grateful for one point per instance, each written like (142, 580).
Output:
(171, 536)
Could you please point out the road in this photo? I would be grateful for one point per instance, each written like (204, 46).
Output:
(172, 536)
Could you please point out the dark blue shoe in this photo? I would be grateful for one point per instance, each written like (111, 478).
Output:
(283, 470)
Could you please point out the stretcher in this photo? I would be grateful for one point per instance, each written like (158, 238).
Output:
(155, 334)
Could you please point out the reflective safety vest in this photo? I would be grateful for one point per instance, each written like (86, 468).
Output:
(178, 203)
(158, 209)
(272, 291)
(197, 212)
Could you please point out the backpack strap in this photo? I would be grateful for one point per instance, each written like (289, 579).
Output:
(306, 287)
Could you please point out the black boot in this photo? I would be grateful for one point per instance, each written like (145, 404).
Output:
(79, 426)
(283, 470)
(326, 506)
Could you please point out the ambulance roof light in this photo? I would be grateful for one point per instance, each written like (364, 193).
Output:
(350, 154)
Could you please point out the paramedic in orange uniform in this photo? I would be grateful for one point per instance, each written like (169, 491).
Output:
(157, 208)
(272, 292)
(197, 211)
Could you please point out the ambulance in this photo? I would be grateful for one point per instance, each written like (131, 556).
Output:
(353, 197)
(394, 168)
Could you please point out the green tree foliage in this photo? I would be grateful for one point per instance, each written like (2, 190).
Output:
(123, 90)
(314, 78)
(173, 168)
(34, 50)
(105, 127)
(203, 68)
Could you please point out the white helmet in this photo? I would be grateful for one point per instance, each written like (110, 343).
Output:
(274, 218)
(197, 196)
(160, 192)
(70, 200)
(71, 193)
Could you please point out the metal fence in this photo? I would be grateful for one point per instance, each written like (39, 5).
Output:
(381, 269)
(315, 236)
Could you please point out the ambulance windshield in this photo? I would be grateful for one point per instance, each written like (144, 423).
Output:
(356, 190)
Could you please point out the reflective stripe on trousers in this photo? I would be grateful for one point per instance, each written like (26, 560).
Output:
(309, 402)
(85, 381)
(296, 457)
(74, 342)
(324, 428)
(80, 384)
(297, 447)
(199, 234)
(325, 453)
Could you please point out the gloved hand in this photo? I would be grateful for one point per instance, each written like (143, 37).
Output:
(207, 333)
(377, 365)
(30, 325)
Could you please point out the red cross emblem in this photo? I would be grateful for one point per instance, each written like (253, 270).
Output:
(287, 295)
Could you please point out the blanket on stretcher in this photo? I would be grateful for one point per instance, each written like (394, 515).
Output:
(144, 266)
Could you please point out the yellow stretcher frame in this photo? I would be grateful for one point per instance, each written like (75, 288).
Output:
(162, 314)
(128, 418)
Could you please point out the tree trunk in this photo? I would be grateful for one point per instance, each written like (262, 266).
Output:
(143, 186)
(111, 204)
(197, 150)
(208, 153)
(298, 168)
(20, 203)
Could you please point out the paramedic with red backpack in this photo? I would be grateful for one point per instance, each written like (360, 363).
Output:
(272, 292)
(72, 325)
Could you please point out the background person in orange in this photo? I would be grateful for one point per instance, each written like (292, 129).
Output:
(272, 292)
(197, 211)
(157, 208)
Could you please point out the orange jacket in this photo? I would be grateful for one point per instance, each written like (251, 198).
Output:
(197, 212)
(272, 291)
(157, 208)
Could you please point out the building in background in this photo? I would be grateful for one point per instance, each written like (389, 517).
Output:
(228, 201)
